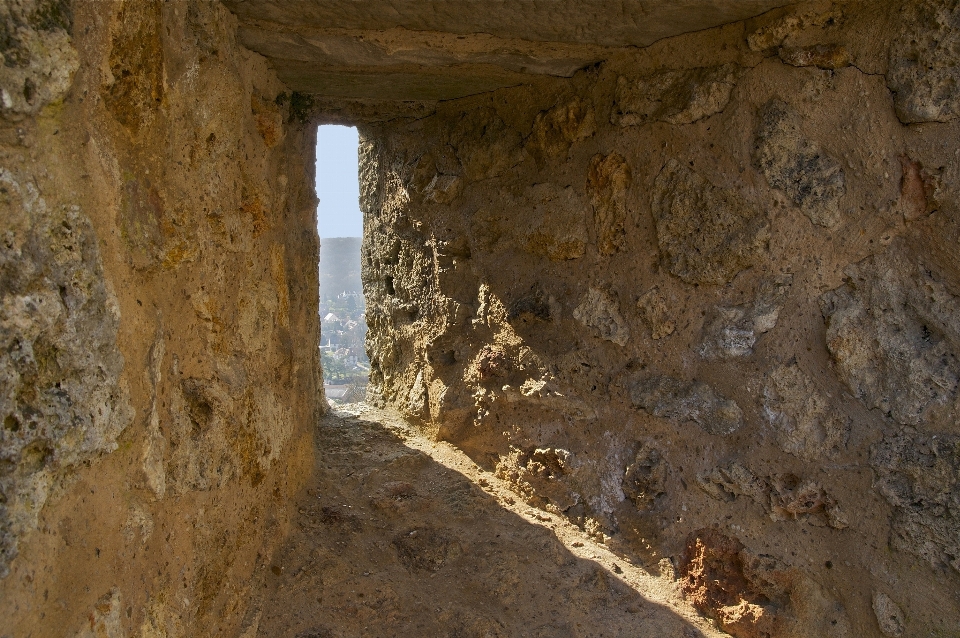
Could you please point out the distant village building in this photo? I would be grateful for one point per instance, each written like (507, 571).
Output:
(342, 314)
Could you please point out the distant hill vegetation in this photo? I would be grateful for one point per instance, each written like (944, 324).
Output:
(339, 266)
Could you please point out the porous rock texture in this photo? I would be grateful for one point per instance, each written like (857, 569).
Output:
(679, 279)
(765, 358)
(158, 277)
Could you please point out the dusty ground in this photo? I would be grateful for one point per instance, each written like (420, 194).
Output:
(401, 536)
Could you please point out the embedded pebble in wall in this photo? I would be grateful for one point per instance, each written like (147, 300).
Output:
(675, 97)
(889, 615)
(823, 56)
(805, 421)
(732, 331)
(706, 234)
(904, 360)
(798, 166)
(599, 310)
(684, 401)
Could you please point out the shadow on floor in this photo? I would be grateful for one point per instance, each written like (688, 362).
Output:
(389, 542)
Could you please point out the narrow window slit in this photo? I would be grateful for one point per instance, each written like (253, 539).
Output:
(346, 368)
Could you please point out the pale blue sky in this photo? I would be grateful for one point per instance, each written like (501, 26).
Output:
(338, 214)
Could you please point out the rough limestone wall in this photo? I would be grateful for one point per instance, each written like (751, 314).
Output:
(705, 300)
(159, 372)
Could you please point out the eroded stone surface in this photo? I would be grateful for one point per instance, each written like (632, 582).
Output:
(799, 166)
(732, 331)
(894, 332)
(923, 62)
(674, 97)
(688, 401)
(918, 475)
(601, 312)
(61, 394)
(806, 422)
(706, 234)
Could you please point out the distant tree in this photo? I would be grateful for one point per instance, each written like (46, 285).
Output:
(333, 368)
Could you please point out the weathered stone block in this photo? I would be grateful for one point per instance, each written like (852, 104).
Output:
(607, 182)
(785, 497)
(684, 401)
(919, 474)
(805, 422)
(676, 97)
(923, 62)
(706, 234)
(653, 308)
(798, 166)
(732, 331)
(539, 475)
(556, 130)
(894, 332)
(601, 311)
(645, 478)
(486, 146)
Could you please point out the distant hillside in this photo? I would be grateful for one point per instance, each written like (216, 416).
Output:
(339, 266)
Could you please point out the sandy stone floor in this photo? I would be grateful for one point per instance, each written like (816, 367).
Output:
(400, 536)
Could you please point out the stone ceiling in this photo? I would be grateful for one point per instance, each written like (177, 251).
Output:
(428, 50)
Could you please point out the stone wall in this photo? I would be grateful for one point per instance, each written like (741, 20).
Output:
(702, 298)
(159, 372)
